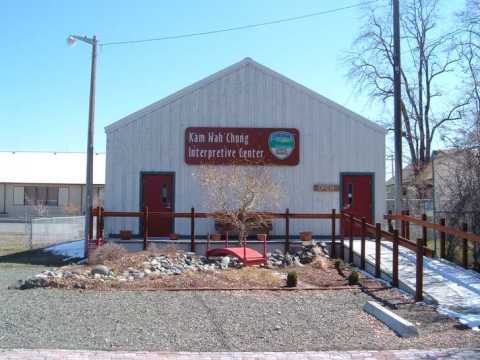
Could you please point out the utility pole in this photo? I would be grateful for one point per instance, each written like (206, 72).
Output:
(397, 100)
(91, 127)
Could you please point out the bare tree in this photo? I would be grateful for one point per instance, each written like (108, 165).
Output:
(39, 208)
(468, 46)
(427, 59)
(238, 195)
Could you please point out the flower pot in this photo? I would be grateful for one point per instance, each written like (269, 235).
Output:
(261, 237)
(216, 237)
(125, 234)
(173, 236)
(306, 237)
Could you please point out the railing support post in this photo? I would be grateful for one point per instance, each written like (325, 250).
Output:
(264, 237)
(343, 225)
(145, 228)
(443, 240)
(90, 225)
(395, 259)
(350, 240)
(97, 235)
(333, 251)
(424, 230)
(389, 221)
(407, 226)
(378, 238)
(465, 247)
(403, 225)
(362, 244)
(419, 271)
(192, 229)
(287, 230)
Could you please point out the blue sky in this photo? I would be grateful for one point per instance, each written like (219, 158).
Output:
(45, 83)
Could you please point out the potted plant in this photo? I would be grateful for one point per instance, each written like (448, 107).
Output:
(306, 237)
(261, 237)
(125, 234)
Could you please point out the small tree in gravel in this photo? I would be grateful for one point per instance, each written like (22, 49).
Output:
(237, 193)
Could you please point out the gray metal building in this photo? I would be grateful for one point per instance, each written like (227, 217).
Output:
(341, 155)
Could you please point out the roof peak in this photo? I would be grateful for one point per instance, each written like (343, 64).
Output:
(224, 72)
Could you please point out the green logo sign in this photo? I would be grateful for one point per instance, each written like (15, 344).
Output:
(281, 144)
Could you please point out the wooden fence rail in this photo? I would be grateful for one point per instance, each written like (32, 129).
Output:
(349, 224)
(461, 234)
(146, 215)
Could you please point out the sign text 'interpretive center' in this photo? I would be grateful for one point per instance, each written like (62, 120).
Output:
(241, 146)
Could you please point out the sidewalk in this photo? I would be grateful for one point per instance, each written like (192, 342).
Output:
(455, 289)
(456, 354)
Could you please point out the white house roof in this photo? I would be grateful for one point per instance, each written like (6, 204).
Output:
(225, 72)
(49, 167)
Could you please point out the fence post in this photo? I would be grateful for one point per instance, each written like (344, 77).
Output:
(287, 230)
(145, 227)
(424, 230)
(102, 226)
(90, 225)
(362, 247)
(419, 271)
(350, 240)
(192, 229)
(402, 224)
(333, 252)
(378, 238)
(442, 240)
(465, 247)
(395, 259)
(342, 234)
(97, 235)
(407, 226)
(389, 221)
(475, 256)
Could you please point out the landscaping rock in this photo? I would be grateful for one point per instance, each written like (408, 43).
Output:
(100, 270)
(303, 256)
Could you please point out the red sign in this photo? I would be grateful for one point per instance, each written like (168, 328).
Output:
(242, 146)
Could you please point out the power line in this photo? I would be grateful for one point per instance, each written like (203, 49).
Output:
(241, 27)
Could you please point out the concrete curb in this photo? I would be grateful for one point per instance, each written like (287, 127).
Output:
(396, 323)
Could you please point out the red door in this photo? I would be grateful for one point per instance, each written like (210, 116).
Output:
(158, 196)
(357, 198)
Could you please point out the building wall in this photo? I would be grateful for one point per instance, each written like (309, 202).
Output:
(333, 140)
(70, 200)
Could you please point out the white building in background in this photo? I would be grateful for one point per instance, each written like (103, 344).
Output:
(47, 183)
(325, 155)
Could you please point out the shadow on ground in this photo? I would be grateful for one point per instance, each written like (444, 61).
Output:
(37, 257)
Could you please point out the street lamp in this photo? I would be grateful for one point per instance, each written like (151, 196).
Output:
(71, 40)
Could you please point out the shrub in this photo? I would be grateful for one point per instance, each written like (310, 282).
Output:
(339, 264)
(354, 278)
(107, 252)
(292, 279)
(320, 263)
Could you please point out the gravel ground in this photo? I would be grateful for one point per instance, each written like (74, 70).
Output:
(206, 321)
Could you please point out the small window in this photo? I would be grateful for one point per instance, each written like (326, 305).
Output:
(40, 195)
(30, 196)
(18, 195)
(350, 194)
(164, 195)
(52, 196)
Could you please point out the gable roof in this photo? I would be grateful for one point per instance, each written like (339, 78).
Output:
(23, 167)
(226, 71)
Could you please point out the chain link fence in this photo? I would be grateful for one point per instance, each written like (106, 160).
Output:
(17, 235)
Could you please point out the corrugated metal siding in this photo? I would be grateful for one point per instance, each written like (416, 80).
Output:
(332, 141)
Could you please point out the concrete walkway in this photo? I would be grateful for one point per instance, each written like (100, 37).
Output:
(456, 354)
(454, 289)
